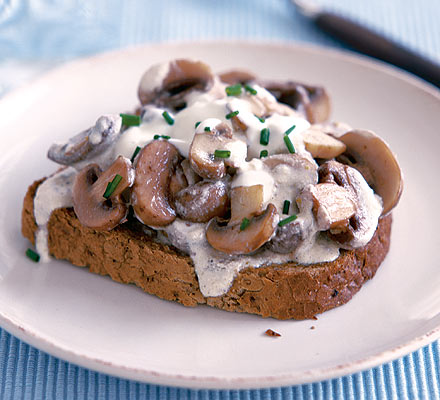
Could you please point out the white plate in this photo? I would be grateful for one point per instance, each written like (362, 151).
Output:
(117, 329)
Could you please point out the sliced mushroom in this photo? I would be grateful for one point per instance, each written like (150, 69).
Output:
(321, 145)
(246, 201)
(233, 239)
(178, 181)
(150, 196)
(333, 206)
(203, 201)
(375, 160)
(91, 207)
(190, 174)
(312, 101)
(290, 236)
(236, 76)
(363, 223)
(202, 151)
(238, 124)
(177, 79)
(81, 148)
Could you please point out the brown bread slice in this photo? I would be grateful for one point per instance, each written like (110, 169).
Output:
(285, 291)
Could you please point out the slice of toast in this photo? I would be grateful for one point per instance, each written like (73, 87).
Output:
(128, 255)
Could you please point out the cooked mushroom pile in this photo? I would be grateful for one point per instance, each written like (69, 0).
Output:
(250, 162)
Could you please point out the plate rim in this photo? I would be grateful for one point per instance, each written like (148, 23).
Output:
(212, 382)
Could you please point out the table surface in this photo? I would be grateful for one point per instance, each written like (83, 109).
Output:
(38, 35)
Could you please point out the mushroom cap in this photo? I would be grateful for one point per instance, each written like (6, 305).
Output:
(313, 101)
(234, 76)
(290, 236)
(86, 145)
(362, 225)
(91, 208)
(371, 152)
(172, 81)
(203, 201)
(231, 239)
(155, 166)
(204, 145)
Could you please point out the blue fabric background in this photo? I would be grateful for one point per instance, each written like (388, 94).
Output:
(36, 35)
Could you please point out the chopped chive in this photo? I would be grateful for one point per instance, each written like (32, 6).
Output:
(286, 207)
(289, 144)
(231, 114)
(136, 152)
(264, 153)
(244, 224)
(250, 89)
(285, 221)
(197, 124)
(262, 120)
(222, 153)
(207, 129)
(111, 186)
(168, 117)
(290, 130)
(34, 256)
(264, 136)
(166, 137)
(130, 120)
(234, 90)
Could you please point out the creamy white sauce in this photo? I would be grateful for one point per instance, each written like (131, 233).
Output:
(55, 192)
(216, 270)
(255, 173)
(369, 208)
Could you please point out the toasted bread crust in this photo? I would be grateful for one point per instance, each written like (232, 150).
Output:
(287, 291)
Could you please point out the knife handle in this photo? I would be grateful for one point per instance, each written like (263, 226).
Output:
(368, 42)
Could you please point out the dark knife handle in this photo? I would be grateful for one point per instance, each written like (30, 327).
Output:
(368, 42)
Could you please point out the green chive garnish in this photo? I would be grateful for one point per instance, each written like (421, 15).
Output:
(166, 137)
(262, 120)
(232, 114)
(286, 207)
(264, 153)
(244, 224)
(168, 117)
(290, 130)
(234, 90)
(198, 123)
(264, 136)
(289, 144)
(207, 129)
(222, 153)
(136, 152)
(111, 186)
(250, 89)
(130, 120)
(285, 221)
(32, 255)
